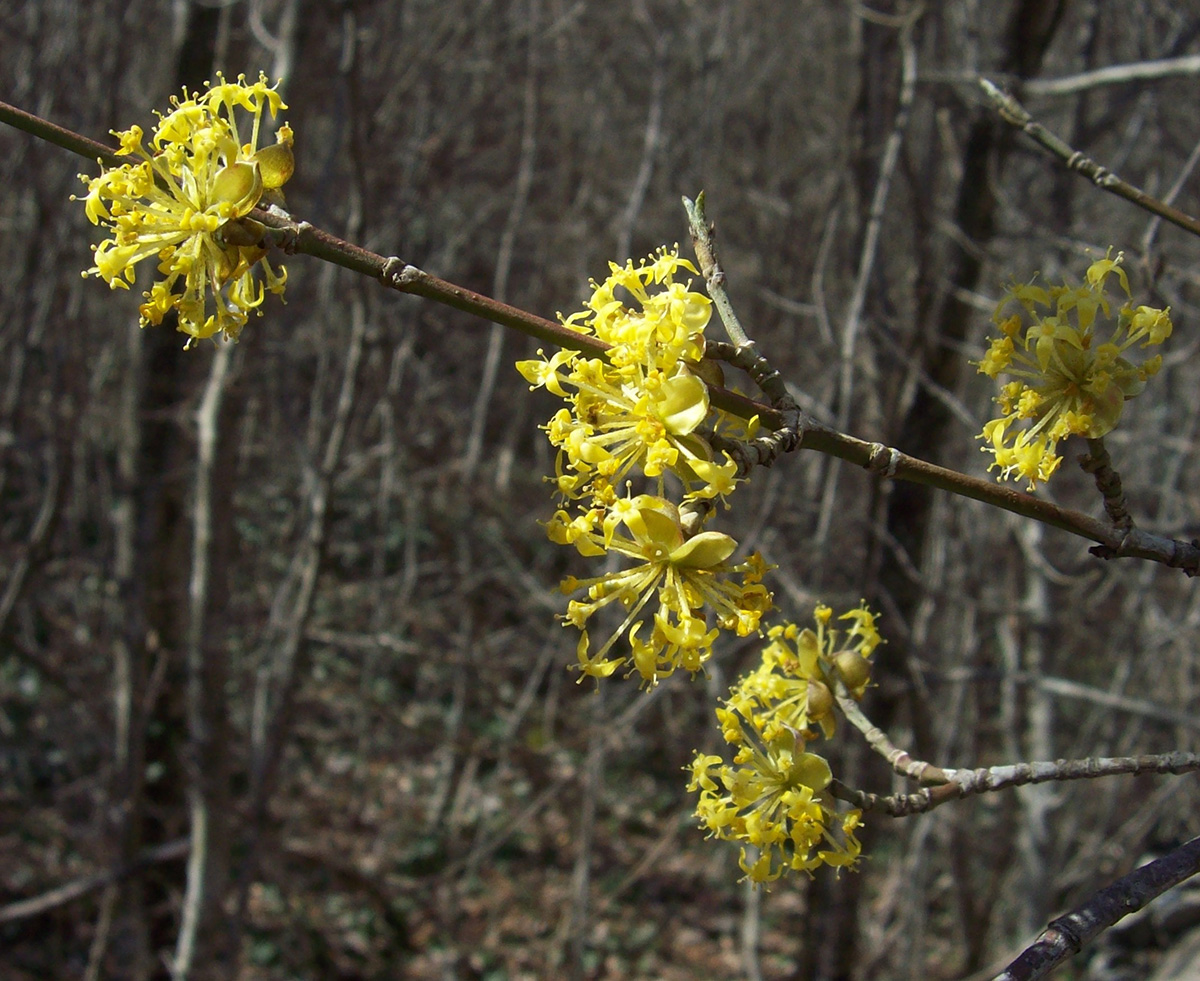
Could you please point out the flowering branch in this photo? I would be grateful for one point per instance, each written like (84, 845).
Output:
(882, 460)
(302, 237)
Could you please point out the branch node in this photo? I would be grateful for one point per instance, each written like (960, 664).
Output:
(297, 231)
(396, 272)
(883, 460)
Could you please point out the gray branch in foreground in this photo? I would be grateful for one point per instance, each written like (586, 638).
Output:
(1066, 936)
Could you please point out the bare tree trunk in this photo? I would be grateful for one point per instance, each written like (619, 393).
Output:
(202, 944)
(1023, 646)
(152, 666)
(832, 930)
(123, 901)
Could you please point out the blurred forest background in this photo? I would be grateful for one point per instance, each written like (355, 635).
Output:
(295, 594)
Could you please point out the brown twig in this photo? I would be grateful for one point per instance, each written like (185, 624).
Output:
(1015, 114)
(1098, 463)
(43, 129)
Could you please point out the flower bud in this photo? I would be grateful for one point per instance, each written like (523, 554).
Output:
(853, 669)
(820, 699)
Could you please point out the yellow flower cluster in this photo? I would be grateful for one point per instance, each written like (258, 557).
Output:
(175, 202)
(1065, 350)
(639, 408)
(685, 575)
(636, 413)
(775, 798)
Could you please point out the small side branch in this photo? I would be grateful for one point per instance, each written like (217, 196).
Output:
(893, 805)
(897, 758)
(1015, 114)
(762, 451)
(965, 783)
(1098, 463)
(769, 381)
(704, 241)
(68, 892)
(1140, 71)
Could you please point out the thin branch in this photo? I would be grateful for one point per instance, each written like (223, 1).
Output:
(652, 140)
(578, 917)
(988, 779)
(504, 253)
(43, 129)
(198, 897)
(289, 621)
(1142, 707)
(761, 451)
(751, 930)
(68, 892)
(965, 783)
(1066, 936)
(878, 210)
(38, 535)
(1141, 71)
(889, 462)
(897, 758)
(614, 733)
(867, 259)
(1155, 223)
(769, 381)
(817, 283)
(1015, 114)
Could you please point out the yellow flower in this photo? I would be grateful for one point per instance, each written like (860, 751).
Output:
(175, 204)
(1068, 379)
(687, 576)
(667, 327)
(639, 408)
(800, 668)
